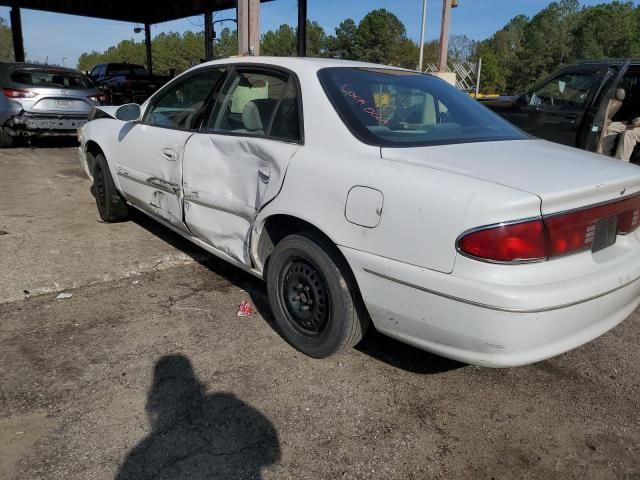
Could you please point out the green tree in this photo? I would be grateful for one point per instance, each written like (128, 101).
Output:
(226, 44)
(6, 42)
(279, 43)
(500, 54)
(284, 41)
(381, 38)
(607, 30)
(345, 43)
(547, 42)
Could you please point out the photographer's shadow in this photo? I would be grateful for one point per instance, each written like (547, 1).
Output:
(195, 435)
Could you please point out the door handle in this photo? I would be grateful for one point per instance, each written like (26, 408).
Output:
(169, 154)
(264, 173)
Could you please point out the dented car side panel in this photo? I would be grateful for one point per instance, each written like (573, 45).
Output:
(226, 180)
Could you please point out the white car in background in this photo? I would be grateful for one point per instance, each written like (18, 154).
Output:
(363, 192)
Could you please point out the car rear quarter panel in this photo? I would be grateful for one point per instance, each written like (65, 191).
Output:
(424, 210)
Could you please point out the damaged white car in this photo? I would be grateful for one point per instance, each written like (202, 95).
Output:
(363, 193)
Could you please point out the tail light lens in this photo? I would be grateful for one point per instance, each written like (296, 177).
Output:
(13, 93)
(98, 98)
(515, 242)
(551, 236)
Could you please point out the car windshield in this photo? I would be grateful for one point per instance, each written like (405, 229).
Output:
(400, 108)
(51, 79)
(126, 70)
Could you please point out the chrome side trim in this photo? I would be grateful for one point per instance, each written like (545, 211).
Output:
(192, 199)
(494, 307)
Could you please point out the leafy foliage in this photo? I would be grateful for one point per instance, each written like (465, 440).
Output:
(526, 50)
(6, 42)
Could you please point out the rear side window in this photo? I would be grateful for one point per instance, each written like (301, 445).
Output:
(44, 78)
(401, 108)
(258, 103)
(125, 69)
(566, 90)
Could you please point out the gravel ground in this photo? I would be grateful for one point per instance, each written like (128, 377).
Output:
(146, 372)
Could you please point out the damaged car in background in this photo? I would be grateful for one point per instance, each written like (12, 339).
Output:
(41, 100)
(365, 193)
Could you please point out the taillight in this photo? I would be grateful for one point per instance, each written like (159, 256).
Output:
(13, 93)
(551, 236)
(573, 232)
(98, 98)
(629, 221)
(515, 242)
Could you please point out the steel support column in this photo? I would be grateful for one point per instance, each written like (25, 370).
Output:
(147, 43)
(302, 28)
(208, 36)
(16, 32)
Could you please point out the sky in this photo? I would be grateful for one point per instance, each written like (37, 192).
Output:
(62, 38)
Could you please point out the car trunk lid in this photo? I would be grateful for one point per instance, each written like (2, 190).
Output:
(564, 178)
(59, 102)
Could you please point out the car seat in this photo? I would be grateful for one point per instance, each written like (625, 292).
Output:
(607, 142)
(256, 115)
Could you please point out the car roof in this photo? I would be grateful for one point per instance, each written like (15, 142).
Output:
(605, 61)
(10, 66)
(294, 63)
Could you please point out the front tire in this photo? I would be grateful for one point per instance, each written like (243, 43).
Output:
(314, 296)
(111, 205)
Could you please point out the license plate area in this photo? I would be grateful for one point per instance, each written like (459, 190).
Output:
(605, 234)
(63, 103)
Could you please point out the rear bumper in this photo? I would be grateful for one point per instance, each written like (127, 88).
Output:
(503, 327)
(46, 124)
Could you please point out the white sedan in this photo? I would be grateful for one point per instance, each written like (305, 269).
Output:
(362, 192)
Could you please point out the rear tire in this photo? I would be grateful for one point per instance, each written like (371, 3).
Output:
(111, 205)
(314, 297)
(6, 140)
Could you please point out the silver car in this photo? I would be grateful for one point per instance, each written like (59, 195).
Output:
(43, 100)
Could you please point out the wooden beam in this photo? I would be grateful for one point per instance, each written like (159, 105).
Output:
(242, 15)
(254, 27)
(444, 35)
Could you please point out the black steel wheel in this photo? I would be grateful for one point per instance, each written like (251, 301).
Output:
(305, 296)
(314, 297)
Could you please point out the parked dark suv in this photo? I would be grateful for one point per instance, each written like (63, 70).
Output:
(125, 82)
(574, 105)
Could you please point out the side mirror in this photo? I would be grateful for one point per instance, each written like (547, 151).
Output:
(524, 99)
(128, 112)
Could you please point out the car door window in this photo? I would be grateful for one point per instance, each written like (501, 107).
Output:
(258, 103)
(181, 104)
(568, 90)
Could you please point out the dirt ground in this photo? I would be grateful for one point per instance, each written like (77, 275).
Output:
(146, 372)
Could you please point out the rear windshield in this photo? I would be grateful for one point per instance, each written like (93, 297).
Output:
(51, 79)
(398, 108)
(126, 70)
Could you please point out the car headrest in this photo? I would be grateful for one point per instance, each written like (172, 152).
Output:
(256, 114)
(620, 94)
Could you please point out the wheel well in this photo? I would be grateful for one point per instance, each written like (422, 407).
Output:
(279, 226)
(92, 149)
